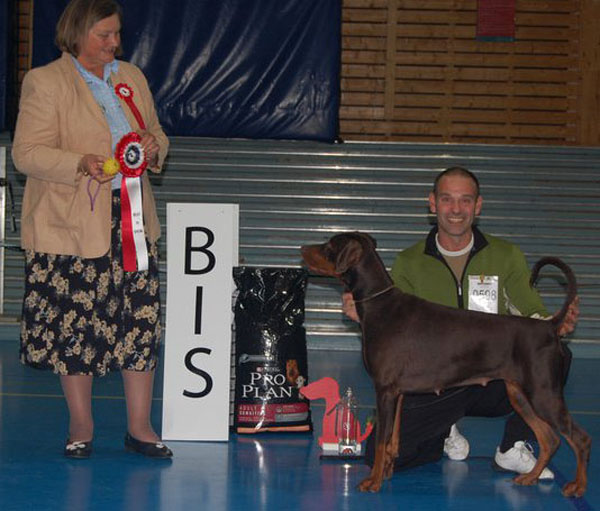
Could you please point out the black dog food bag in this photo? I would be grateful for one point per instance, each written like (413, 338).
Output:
(270, 350)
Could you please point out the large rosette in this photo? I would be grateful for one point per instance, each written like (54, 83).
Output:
(131, 155)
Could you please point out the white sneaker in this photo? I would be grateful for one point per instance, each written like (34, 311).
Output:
(520, 459)
(456, 446)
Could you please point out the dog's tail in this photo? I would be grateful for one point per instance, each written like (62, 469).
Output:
(571, 284)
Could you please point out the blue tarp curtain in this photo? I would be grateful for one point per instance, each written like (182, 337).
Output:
(229, 68)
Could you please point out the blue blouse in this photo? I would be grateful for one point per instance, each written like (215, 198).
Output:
(106, 97)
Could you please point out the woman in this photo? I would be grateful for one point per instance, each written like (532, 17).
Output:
(84, 314)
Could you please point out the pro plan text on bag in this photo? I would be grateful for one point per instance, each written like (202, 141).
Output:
(270, 350)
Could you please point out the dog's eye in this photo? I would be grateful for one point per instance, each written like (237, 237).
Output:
(328, 252)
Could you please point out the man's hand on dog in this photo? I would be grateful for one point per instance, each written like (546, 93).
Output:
(349, 307)
(568, 324)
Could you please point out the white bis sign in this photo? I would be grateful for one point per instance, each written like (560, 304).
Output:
(202, 248)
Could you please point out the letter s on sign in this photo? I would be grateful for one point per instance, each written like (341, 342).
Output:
(192, 368)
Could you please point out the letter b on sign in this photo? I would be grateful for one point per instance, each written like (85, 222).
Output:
(198, 240)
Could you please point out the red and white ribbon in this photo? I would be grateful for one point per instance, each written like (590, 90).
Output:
(132, 160)
(135, 252)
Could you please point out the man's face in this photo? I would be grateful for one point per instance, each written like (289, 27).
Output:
(455, 204)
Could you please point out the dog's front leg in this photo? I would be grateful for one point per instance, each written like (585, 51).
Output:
(394, 444)
(386, 404)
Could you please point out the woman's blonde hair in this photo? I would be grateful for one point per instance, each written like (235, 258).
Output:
(78, 18)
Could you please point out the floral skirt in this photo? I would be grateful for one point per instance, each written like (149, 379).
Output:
(89, 316)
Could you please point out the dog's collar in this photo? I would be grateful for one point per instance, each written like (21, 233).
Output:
(375, 295)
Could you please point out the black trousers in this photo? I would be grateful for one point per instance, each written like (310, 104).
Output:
(426, 419)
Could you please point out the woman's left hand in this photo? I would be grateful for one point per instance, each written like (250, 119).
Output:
(151, 148)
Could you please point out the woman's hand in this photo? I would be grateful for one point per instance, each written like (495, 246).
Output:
(151, 148)
(91, 165)
(349, 307)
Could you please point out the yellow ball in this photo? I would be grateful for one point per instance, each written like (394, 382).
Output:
(111, 167)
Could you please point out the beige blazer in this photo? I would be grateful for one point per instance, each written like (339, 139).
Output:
(60, 121)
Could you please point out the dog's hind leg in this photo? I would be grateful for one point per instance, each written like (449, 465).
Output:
(547, 439)
(394, 444)
(386, 404)
(552, 409)
(581, 444)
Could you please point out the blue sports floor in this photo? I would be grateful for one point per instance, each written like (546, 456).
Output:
(259, 472)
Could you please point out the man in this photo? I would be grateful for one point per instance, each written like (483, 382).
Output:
(459, 266)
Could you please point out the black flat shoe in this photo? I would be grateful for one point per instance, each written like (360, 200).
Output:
(150, 449)
(78, 450)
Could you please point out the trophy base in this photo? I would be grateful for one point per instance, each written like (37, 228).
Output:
(332, 452)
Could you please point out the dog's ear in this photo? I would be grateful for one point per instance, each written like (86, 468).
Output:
(348, 256)
(370, 239)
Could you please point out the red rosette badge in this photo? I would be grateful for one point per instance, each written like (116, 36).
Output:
(131, 155)
(124, 91)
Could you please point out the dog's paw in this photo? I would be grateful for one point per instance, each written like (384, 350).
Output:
(370, 484)
(573, 489)
(388, 467)
(388, 472)
(526, 479)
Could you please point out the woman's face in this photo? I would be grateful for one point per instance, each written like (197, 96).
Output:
(99, 45)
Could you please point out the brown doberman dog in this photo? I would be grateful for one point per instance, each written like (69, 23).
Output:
(412, 345)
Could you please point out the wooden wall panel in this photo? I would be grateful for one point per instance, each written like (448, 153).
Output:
(24, 41)
(435, 82)
(589, 111)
